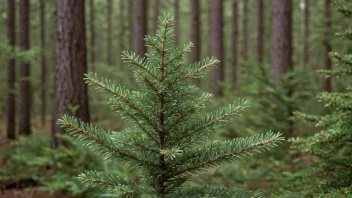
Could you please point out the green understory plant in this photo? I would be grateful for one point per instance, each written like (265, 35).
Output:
(167, 138)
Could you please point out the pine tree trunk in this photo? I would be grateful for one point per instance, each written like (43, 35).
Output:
(71, 64)
(92, 34)
(306, 33)
(130, 19)
(109, 32)
(43, 61)
(234, 42)
(156, 15)
(327, 44)
(122, 30)
(140, 26)
(25, 88)
(281, 47)
(216, 45)
(177, 21)
(245, 31)
(260, 32)
(11, 100)
(195, 31)
(281, 38)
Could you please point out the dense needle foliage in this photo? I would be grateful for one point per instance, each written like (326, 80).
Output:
(167, 137)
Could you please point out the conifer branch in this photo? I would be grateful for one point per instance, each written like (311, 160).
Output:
(133, 59)
(237, 148)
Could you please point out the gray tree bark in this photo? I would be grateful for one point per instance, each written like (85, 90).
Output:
(43, 62)
(140, 26)
(71, 64)
(306, 33)
(260, 31)
(245, 31)
(234, 42)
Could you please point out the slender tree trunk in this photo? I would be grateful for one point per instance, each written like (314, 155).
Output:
(130, 19)
(177, 21)
(122, 29)
(195, 33)
(92, 36)
(140, 26)
(260, 32)
(25, 88)
(11, 100)
(43, 62)
(234, 42)
(109, 32)
(71, 64)
(306, 32)
(281, 38)
(327, 44)
(245, 31)
(281, 47)
(217, 45)
(156, 15)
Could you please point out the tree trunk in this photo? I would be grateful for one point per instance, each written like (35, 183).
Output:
(43, 62)
(327, 44)
(25, 88)
(11, 100)
(92, 36)
(140, 26)
(177, 21)
(245, 31)
(122, 29)
(281, 47)
(281, 38)
(130, 19)
(71, 64)
(260, 32)
(109, 32)
(216, 45)
(195, 31)
(234, 42)
(156, 15)
(306, 33)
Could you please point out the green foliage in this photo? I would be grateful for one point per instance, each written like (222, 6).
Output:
(329, 151)
(53, 170)
(167, 134)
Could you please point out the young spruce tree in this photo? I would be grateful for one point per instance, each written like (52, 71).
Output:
(331, 172)
(166, 131)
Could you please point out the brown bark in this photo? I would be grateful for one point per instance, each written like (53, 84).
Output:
(122, 29)
(71, 64)
(109, 32)
(217, 45)
(245, 31)
(195, 31)
(281, 38)
(25, 87)
(281, 47)
(306, 33)
(327, 44)
(130, 19)
(11, 100)
(260, 32)
(140, 26)
(156, 15)
(177, 21)
(43, 61)
(234, 42)
(92, 34)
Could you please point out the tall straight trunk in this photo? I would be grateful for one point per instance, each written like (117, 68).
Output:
(122, 29)
(43, 62)
(195, 31)
(71, 64)
(281, 46)
(155, 16)
(217, 45)
(306, 33)
(260, 31)
(11, 100)
(245, 31)
(25, 87)
(92, 34)
(177, 20)
(130, 17)
(140, 26)
(109, 32)
(327, 44)
(234, 42)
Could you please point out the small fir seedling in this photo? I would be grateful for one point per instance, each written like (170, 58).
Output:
(165, 140)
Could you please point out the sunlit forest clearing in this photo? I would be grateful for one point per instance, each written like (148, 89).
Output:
(175, 98)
